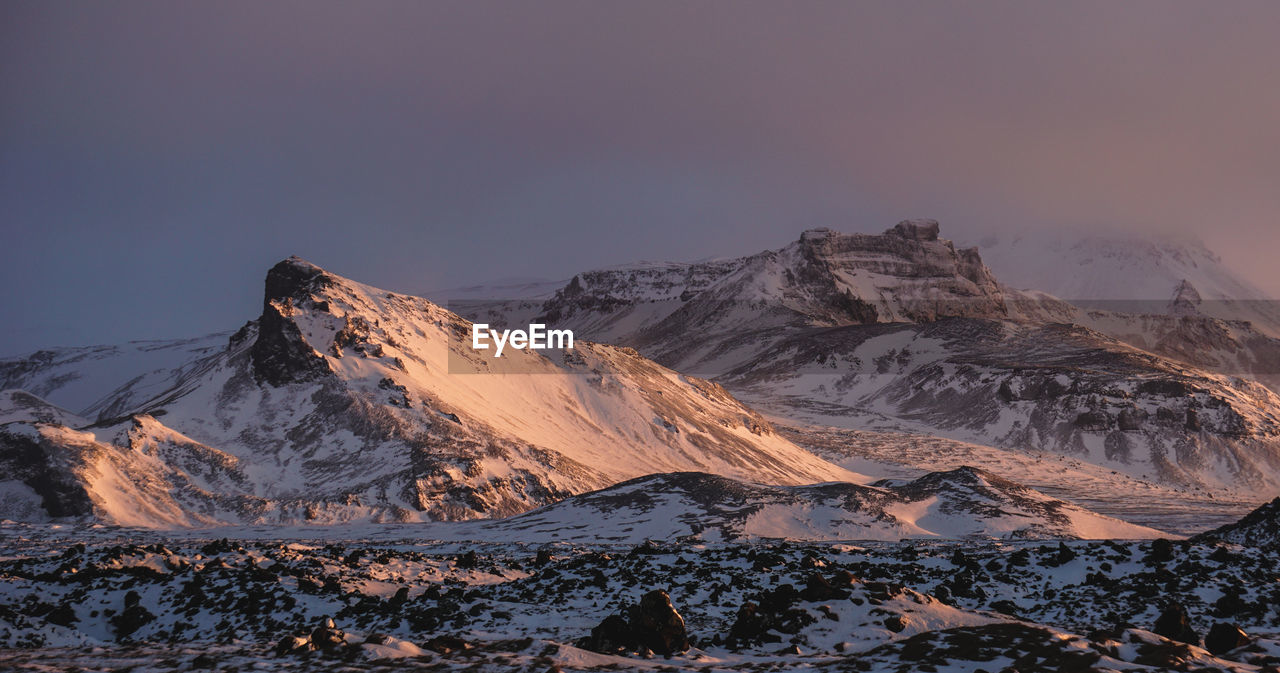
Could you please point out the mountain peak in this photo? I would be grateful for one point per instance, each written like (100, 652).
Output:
(294, 277)
(916, 230)
(280, 354)
(1185, 299)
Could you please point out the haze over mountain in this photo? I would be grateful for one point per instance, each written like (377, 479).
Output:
(905, 331)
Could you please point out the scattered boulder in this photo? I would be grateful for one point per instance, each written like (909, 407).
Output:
(771, 611)
(654, 625)
(1174, 625)
(133, 618)
(658, 626)
(896, 623)
(1224, 637)
(446, 645)
(611, 636)
(328, 638)
(818, 588)
(293, 645)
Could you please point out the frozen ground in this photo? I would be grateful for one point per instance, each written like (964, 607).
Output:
(907, 455)
(105, 598)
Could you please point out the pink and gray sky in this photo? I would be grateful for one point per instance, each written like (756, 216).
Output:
(157, 157)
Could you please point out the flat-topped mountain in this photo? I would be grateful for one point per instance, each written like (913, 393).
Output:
(904, 329)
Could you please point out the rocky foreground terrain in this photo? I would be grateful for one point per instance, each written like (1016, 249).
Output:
(100, 598)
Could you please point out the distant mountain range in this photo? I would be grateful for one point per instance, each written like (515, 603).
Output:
(905, 330)
(344, 402)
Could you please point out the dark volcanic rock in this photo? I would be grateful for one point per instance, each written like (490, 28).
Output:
(1224, 637)
(328, 638)
(1259, 528)
(658, 626)
(447, 645)
(652, 625)
(1174, 625)
(43, 468)
(280, 354)
(817, 588)
(611, 636)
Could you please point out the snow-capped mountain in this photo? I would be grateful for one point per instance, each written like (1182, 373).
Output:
(1058, 388)
(1129, 274)
(825, 278)
(905, 331)
(102, 381)
(344, 401)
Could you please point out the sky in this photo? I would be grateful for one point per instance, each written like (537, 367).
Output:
(156, 158)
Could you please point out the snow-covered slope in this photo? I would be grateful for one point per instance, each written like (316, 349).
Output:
(346, 401)
(904, 331)
(1057, 388)
(96, 381)
(962, 503)
(1128, 274)
(825, 278)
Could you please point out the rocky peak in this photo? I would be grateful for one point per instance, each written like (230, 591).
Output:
(1185, 300)
(280, 354)
(907, 273)
(817, 234)
(916, 230)
(294, 278)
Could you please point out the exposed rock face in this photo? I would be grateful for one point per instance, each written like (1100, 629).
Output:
(652, 625)
(1224, 637)
(44, 467)
(1174, 625)
(280, 354)
(1259, 528)
(824, 278)
(920, 230)
(1186, 299)
(657, 625)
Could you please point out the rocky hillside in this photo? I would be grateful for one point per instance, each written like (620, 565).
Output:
(825, 278)
(962, 503)
(1259, 528)
(903, 330)
(1058, 388)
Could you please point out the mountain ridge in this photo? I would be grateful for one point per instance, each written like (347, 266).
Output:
(344, 401)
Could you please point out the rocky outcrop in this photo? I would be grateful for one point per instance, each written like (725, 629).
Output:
(1174, 625)
(1259, 528)
(653, 626)
(280, 353)
(44, 467)
(1224, 637)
